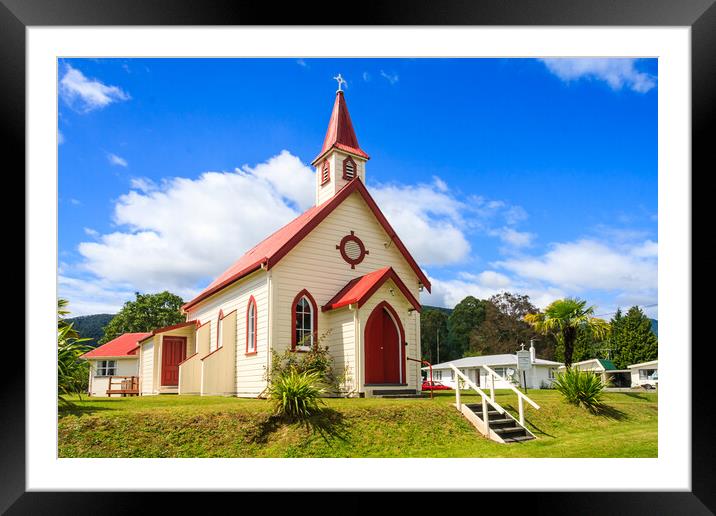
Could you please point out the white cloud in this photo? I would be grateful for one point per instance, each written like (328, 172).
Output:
(60, 137)
(366, 76)
(513, 237)
(428, 219)
(392, 78)
(87, 94)
(590, 264)
(91, 232)
(92, 296)
(117, 160)
(182, 233)
(75, 202)
(143, 184)
(302, 63)
(616, 72)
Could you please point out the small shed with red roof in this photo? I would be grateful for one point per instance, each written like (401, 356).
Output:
(115, 365)
(337, 275)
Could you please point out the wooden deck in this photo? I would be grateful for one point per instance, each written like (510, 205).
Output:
(123, 385)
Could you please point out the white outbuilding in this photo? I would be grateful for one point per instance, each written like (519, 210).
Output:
(645, 373)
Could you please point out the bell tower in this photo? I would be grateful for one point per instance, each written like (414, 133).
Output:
(341, 159)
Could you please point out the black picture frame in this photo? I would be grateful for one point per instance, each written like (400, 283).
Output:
(700, 15)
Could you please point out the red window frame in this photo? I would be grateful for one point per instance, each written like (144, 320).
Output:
(355, 168)
(342, 248)
(325, 172)
(314, 307)
(252, 302)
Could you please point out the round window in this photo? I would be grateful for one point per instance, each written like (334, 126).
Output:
(352, 249)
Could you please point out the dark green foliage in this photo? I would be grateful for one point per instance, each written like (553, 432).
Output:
(464, 319)
(632, 339)
(581, 388)
(146, 313)
(91, 326)
(433, 329)
(503, 328)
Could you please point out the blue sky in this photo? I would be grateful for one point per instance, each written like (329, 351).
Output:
(524, 175)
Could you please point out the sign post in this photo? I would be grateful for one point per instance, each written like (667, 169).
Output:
(524, 364)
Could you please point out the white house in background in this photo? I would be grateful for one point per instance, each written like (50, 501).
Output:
(337, 273)
(540, 375)
(605, 369)
(644, 373)
(114, 366)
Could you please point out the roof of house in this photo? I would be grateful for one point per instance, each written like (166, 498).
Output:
(642, 364)
(269, 251)
(358, 290)
(123, 346)
(340, 133)
(491, 360)
(607, 365)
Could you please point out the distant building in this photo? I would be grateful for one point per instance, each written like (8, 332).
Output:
(606, 370)
(114, 366)
(644, 373)
(540, 376)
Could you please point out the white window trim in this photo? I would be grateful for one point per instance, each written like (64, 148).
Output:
(252, 328)
(104, 366)
(310, 321)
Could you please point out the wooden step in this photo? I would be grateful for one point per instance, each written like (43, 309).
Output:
(514, 430)
(518, 439)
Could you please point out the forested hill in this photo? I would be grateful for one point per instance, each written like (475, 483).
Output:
(446, 310)
(91, 326)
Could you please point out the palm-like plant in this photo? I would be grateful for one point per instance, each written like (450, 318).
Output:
(71, 371)
(563, 318)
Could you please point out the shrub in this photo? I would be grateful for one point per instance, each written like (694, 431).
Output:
(296, 395)
(318, 360)
(581, 388)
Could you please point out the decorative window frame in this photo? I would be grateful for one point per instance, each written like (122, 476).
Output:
(325, 172)
(363, 251)
(249, 305)
(314, 321)
(355, 168)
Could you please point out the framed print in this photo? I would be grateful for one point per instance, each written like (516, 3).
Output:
(423, 249)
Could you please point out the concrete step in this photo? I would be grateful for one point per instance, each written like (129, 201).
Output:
(393, 392)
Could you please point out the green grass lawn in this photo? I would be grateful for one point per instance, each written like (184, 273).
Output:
(193, 426)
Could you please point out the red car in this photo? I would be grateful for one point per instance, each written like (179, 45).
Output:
(436, 386)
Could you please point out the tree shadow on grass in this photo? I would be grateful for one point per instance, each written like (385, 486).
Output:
(610, 412)
(529, 422)
(78, 410)
(637, 395)
(329, 424)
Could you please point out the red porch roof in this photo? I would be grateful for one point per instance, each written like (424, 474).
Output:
(123, 346)
(275, 247)
(359, 290)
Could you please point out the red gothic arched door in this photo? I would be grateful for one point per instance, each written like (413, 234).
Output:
(384, 350)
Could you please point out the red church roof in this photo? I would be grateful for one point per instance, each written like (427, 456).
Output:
(359, 290)
(275, 247)
(123, 346)
(340, 133)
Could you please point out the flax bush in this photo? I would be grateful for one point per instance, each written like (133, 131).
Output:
(581, 388)
(296, 395)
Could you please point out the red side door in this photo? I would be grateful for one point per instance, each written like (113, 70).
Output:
(173, 353)
(391, 351)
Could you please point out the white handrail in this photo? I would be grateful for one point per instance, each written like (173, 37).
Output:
(472, 385)
(517, 391)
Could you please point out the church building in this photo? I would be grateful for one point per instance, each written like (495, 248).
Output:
(337, 275)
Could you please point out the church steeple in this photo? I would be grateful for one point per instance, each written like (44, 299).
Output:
(341, 159)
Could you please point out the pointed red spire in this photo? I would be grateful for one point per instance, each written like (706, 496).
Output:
(340, 133)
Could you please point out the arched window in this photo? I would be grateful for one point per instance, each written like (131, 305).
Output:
(304, 322)
(251, 333)
(349, 168)
(325, 172)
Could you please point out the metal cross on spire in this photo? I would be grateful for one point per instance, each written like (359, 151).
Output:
(340, 80)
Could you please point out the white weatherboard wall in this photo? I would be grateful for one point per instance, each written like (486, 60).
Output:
(100, 384)
(250, 368)
(146, 359)
(316, 265)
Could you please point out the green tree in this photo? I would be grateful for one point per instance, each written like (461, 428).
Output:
(563, 318)
(146, 313)
(72, 372)
(632, 339)
(503, 328)
(464, 319)
(433, 327)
